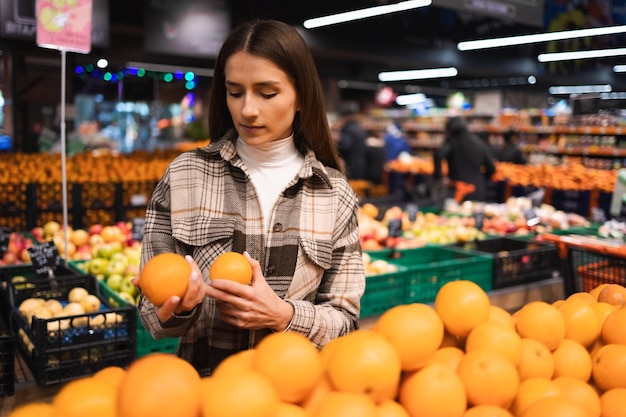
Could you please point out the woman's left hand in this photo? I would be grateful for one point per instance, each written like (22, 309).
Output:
(255, 306)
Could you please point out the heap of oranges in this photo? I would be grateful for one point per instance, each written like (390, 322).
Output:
(462, 357)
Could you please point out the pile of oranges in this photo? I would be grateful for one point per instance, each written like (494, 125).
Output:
(461, 357)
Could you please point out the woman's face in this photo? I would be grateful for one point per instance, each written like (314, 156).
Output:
(261, 98)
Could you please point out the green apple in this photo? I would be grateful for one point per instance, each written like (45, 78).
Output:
(114, 282)
(127, 287)
(115, 267)
(97, 266)
(127, 297)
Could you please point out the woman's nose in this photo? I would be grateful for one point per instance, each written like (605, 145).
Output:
(249, 107)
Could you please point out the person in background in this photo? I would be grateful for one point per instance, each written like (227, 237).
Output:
(469, 159)
(352, 145)
(510, 152)
(395, 142)
(270, 186)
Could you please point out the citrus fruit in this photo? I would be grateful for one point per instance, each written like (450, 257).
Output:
(572, 359)
(345, 404)
(364, 361)
(159, 384)
(614, 294)
(111, 374)
(415, 331)
(487, 411)
(462, 305)
(497, 337)
(86, 397)
(289, 410)
(613, 402)
(290, 362)
(581, 393)
(34, 409)
(390, 408)
(449, 356)
(163, 276)
(532, 389)
(612, 329)
(489, 378)
(581, 321)
(232, 266)
(554, 406)
(500, 315)
(535, 361)
(245, 394)
(433, 391)
(609, 367)
(237, 362)
(541, 321)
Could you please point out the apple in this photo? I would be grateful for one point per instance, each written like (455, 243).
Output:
(114, 282)
(97, 265)
(106, 250)
(9, 258)
(79, 237)
(95, 240)
(95, 229)
(25, 255)
(37, 233)
(115, 267)
(51, 228)
(127, 298)
(83, 252)
(131, 270)
(128, 287)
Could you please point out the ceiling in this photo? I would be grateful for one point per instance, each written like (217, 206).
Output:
(417, 39)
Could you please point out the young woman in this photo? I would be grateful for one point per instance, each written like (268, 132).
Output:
(270, 186)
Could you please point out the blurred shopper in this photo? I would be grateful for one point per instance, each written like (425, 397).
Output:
(395, 142)
(510, 152)
(270, 186)
(469, 159)
(352, 145)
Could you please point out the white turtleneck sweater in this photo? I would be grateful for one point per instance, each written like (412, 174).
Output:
(271, 166)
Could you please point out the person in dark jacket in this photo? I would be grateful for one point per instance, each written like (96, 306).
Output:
(510, 152)
(353, 147)
(469, 160)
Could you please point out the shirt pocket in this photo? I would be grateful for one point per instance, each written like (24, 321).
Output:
(207, 236)
(318, 251)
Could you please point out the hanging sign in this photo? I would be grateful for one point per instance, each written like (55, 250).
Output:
(64, 25)
(45, 257)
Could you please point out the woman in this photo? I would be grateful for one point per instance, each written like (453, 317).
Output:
(269, 186)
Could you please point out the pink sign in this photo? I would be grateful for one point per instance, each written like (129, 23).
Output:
(64, 24)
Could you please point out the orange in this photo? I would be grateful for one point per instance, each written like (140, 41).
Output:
(289, 410)
(535, 361)
(35, 409)
(572, 359)
(554, 406)
(345, 404)
(614, 294)
(364, 361)
(390, 408)
(449, 356)
(541, 321)
(609, 367)
(489, 378)
(581, 393)
(320, 390)
(613, 402)
(596, 291)
(500, 315)
(369, 210)
(487, 411)
(290, 362)
(245, 394)
(450, 340)
(237, 362)
(581, 321)
(462, 305)
(86, 397)
(433, 391)
(532, 389)
(163, 276)
(232, 266)
(583, 296)
(111, 374)
(327, 350)
(603, 310)
(613, 327)
(497, 337)
(159, 384)
(414, 330)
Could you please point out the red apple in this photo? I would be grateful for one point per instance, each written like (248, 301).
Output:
(95, 229)
(9, 258)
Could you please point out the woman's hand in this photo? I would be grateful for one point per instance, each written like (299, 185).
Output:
(193, 296)
(255, 306)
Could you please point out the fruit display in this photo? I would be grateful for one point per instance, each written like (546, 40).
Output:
(462, 356)
(17, 249)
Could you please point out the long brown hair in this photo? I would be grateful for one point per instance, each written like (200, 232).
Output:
(281, 44)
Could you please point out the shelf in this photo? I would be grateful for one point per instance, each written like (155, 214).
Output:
(576, 151)
(547, 130)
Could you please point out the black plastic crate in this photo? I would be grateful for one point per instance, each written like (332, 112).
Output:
(7, 360)
(517, 261)
(589, 268)
(572, 201)
(60, 349)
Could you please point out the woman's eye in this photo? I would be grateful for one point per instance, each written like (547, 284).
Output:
(234, 94)
(268, 95)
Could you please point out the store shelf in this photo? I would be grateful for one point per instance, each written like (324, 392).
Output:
(576, 150)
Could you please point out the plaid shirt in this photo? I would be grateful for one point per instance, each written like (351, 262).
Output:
(205, 205)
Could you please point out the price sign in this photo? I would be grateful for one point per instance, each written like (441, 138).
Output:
(5, 237)
(138, 225)
(45, 257)
(395, 227)
(412, 210)
(532, 219)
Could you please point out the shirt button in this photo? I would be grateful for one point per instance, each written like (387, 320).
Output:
(278, 227)
(270, 270)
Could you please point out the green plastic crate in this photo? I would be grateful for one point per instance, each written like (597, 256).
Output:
(383, 291)
(145, 342)
(430, 267)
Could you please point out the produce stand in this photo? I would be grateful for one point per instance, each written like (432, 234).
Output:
(7, 359)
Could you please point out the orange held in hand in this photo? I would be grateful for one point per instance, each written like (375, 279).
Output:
(163, 276)
(233, 266)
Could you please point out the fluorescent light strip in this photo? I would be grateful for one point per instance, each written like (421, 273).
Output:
(364, 13)
(580, 89)
(593, 53)
(538, 37)
(407, 99)
(417, 74)
(619, 68)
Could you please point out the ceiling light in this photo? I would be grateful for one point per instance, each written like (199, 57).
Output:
(407, 99)
(593, 53)
(538, 37)
(102, 63)
(580, 89)
(364, 13)
(619, 68)
(417, 74)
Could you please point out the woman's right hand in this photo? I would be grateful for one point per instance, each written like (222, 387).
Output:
(193, 296)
